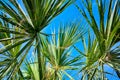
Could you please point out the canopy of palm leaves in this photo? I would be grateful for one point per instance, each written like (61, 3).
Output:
(27, 19)
(21, 25)
(58, 60)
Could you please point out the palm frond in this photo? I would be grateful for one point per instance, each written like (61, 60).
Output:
(57, 49)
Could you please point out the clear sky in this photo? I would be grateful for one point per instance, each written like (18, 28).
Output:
(70, 14)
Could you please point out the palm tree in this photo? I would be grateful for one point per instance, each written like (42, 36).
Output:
(106, 27)
(29, 18)
(93, 68)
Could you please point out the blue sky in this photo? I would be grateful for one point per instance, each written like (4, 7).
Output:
(70, 14)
